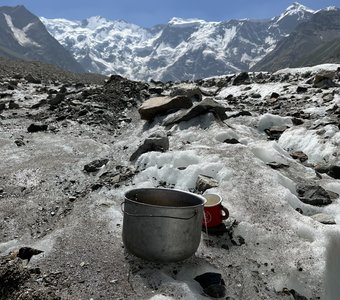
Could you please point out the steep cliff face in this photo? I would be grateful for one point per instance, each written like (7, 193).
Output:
(313, 42)
(24, 36)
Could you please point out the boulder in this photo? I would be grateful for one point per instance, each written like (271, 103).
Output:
(60, 97)
(13, 105)
(313, 195)
(301, 89)
(157, 141)
(37, 127)
(274, 95)
(163, 105)
(189, 90)
(301, 156)
(331, 170)
(241, 78)
(95, 165)
(275, 132)
(204, 183)
(203, 107)
(324, 79)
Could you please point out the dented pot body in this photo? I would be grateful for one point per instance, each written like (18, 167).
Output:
(162, 225)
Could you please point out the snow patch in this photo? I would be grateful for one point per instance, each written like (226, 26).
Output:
(20, 34)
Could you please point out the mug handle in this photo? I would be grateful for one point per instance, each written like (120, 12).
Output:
(226, 213)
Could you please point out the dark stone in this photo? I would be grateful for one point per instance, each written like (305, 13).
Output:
(334, 171)
(274, 95)
(256, 95)
(301, 89)
(241, 78)
(27, 253)
(275, 132)
(157, 141)
(313, 195)
(231, 141)
(57, 99)
(95, 165)
(203, 107)
(37, 127)
(297, 296)
(301, 156)
(212, 283)
(39, 104)
(13, 105)
(19, 142)
(297, 121)
(216, 230)
(31, 79)
(275, 165)
(240, 114)
(2, 106)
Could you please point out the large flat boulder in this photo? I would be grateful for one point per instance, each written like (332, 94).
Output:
(163, 105)
(203, 107)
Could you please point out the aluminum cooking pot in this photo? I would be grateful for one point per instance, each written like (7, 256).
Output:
(162, 225)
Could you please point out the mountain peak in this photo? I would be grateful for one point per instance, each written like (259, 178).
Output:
(185, 22)
(297, 7)
(94, 22)
(297, 10)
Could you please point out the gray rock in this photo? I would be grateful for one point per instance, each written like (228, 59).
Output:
(313, 195)
(157, 141)
(333, 195)
(189, 90)
(31, 79)
(162, 105)
(203, 107)
(324, 219)
(301, 156)
(95, 165)
(324, 79)
(204, 183)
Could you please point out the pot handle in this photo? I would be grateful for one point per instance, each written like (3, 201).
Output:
(155, 216)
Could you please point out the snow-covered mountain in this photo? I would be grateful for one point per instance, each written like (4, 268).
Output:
(181, 49)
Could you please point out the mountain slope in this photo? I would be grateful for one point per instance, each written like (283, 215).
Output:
(23, 36)
(313, 42)
(179, 50)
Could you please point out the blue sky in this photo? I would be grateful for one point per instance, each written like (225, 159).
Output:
(151, 12)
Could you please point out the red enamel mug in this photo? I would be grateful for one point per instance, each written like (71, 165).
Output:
(214, 211)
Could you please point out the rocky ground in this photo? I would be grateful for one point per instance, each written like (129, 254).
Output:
(71, 145)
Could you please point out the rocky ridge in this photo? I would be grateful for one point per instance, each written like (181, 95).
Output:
(73, 148)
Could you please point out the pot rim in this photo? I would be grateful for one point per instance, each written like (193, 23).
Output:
(167, 207)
